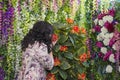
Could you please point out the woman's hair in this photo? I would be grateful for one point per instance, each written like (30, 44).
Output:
(42, 32)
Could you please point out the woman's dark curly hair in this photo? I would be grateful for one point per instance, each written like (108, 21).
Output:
(42, 32)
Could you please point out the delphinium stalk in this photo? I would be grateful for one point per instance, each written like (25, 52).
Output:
(1, 6)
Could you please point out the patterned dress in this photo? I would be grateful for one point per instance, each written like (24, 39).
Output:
(36, 61)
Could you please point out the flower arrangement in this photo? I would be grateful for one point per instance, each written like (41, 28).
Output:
(105, 44)
(71, 57)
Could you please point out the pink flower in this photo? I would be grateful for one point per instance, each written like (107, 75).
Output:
(111, 12)
(106, 57)
(99, 44)
(109, 26)
(97, 28)
(112, 41)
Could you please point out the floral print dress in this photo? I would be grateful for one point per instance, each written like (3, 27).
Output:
(36, 61)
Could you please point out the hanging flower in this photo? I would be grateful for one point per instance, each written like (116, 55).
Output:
(70, 21)
(54, 37)
(81, 76)
(56, 61)
(75, 29)
(50, 76)
(63, 48)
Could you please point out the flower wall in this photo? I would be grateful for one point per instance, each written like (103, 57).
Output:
(74, 49)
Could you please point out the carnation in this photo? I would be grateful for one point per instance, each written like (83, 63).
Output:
(112, 58)
(104, 50)
(109, 69)
(101, 23)
(104, 30)
(106, 41)
(96, 21)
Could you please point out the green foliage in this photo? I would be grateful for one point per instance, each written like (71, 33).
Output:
(70, 65)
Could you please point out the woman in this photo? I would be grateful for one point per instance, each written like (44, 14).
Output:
(37, 52)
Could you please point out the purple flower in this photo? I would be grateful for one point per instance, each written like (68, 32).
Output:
(97, 28)
(106, 57)
(2, 74)
(100, 55)
(111, 12)
(100, 16)
(109, 26)
(99, 44)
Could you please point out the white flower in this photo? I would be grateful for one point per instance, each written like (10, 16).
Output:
(110, 19)
(111, 58)
(101, 23)
(114, 47)
(104, 50)
(105, 18)
(106, 41)
(119, 69)
(100, 37)
(109, 69)
(104, 30)
(110, 35)
(96, 21)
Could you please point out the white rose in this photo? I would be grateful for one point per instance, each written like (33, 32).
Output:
(106, 41)
(110, 19)
(119, 69)
(114, 47)
(111, 58)
(104, 30)
(109, 69)
(101, 23)
(104, 50)
(96, 21)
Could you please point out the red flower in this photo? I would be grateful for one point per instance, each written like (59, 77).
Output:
(81, 76)
(63, 48)
(56, 61)
(54, 37)
(75, 29)
(50, 76)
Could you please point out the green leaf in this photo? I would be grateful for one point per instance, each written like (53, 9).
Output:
(86, 64)
(68, 55)
(56, 48)
(65, 65)
(63, 38)
(55, 70)
(81, 50)
(72, 40)
(63, 74)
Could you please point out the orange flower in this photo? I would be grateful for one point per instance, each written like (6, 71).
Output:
(88, 54)
(81, 76)
(56, 61)
(83, 30)
(70, 21)
(75, 29)
(83, 57)
(63, 48)
(54, 37)
(50, 76)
